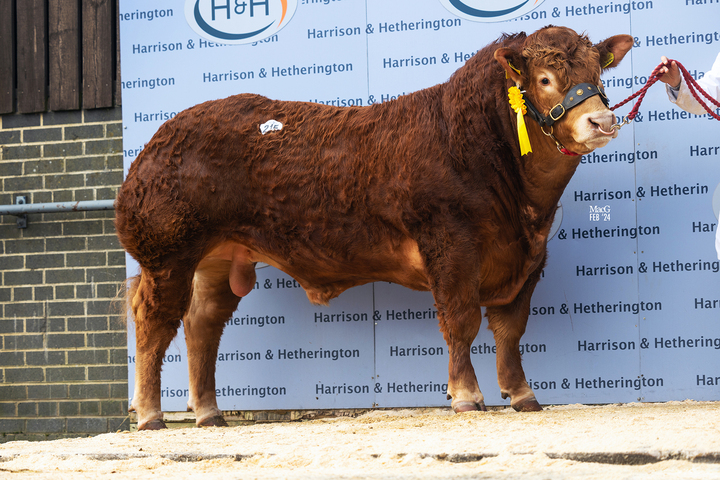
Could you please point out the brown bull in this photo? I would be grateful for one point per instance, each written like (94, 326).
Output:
(429, 191)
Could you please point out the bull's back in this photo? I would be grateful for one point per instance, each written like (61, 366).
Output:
(211, 172)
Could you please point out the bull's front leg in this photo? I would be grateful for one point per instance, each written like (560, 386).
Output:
(460, 327)
(508, 323)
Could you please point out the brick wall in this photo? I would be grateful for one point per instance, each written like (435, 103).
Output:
(63, 343)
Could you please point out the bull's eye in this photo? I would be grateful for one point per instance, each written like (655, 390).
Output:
(545, 81)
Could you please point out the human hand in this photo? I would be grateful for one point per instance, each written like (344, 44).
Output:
(670, 73)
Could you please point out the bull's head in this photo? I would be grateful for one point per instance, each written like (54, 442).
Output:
(559, 71)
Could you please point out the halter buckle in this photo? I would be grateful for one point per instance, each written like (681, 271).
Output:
(558, 117)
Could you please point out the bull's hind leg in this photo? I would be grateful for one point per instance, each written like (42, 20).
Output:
(459, 331)
(508, 324)
(212, 305)
(158, 305)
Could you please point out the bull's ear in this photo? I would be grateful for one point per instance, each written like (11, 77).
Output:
(613, 49)
(511, 62)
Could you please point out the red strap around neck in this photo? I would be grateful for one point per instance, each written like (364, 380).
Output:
(565, 151)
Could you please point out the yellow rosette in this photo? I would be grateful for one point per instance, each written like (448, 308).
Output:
(518, 105)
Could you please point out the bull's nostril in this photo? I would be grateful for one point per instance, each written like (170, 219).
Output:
(602, 125)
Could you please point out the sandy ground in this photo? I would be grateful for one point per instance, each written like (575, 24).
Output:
(676, 440)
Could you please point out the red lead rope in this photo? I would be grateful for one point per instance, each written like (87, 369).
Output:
(654, 77)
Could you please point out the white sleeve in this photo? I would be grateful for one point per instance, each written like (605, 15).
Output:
(710, 82)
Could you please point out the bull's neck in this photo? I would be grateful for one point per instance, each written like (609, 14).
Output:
(546, 171)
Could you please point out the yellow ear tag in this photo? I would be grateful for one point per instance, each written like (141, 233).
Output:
(518, 105)
(608, 60)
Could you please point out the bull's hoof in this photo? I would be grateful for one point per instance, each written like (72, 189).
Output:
(156, 424)
(460, 407)
(529, 404)
(216, 421)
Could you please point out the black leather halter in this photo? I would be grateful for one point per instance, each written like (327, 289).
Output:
(575, 96)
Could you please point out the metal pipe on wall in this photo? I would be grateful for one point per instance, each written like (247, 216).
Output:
(21, 209)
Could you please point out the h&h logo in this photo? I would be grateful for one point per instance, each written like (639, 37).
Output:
(490, 10)
(238, 21)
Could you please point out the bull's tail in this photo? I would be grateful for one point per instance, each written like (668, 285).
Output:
(128, 294)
